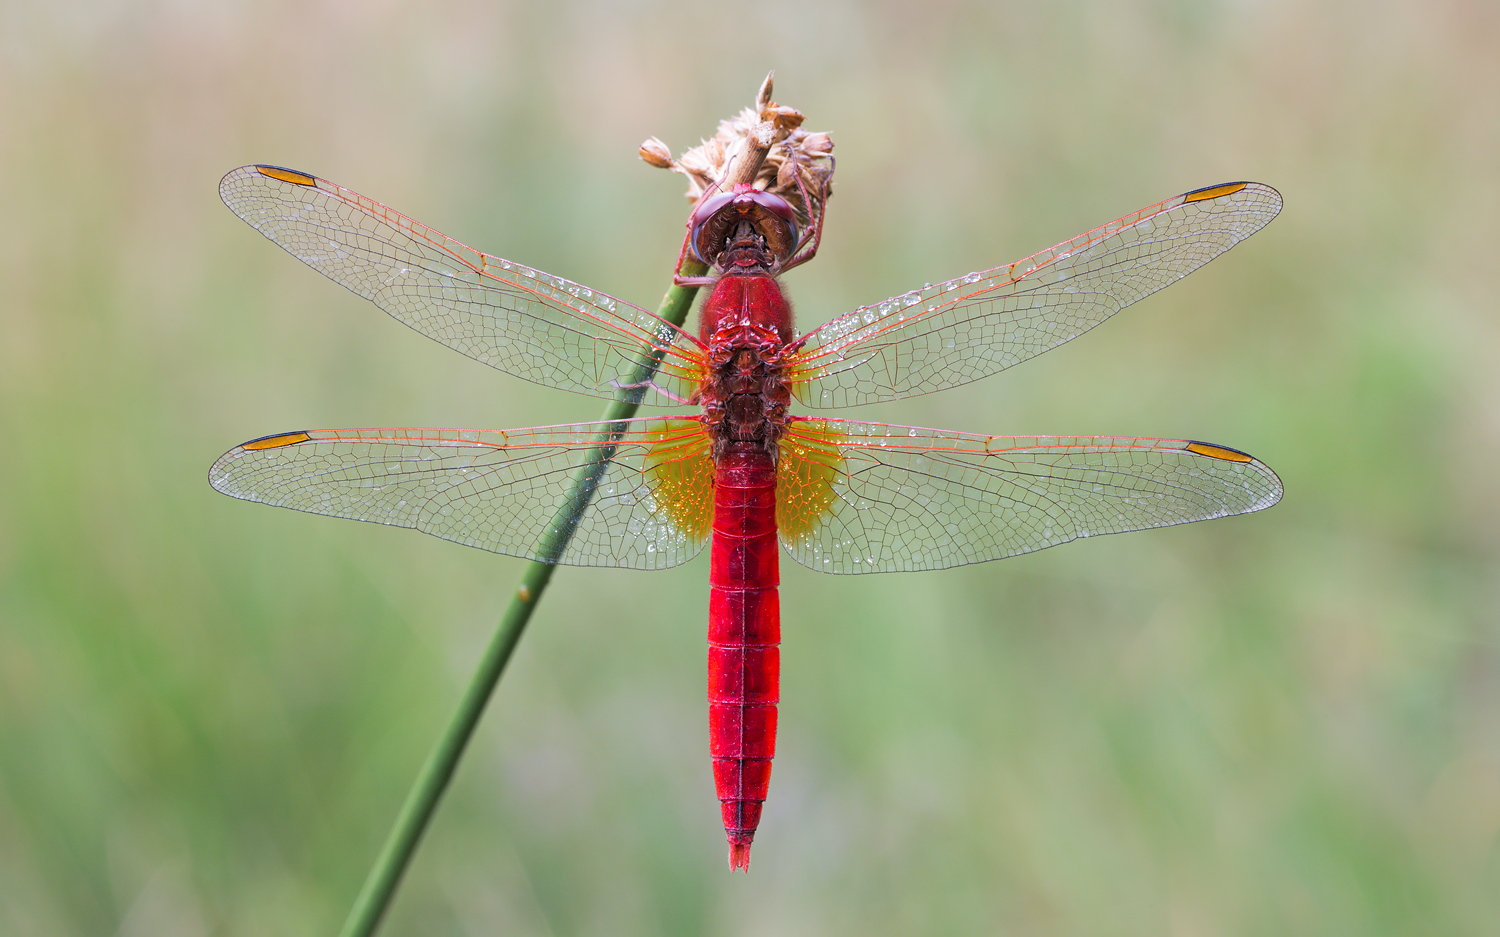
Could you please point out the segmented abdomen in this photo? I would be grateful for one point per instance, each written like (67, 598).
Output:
(744, 631)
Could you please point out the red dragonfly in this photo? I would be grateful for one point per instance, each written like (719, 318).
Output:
(839, 496)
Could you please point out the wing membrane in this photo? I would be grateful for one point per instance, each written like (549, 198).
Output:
(899, 498)
(503, 491)
(522, 321)
(965, 329)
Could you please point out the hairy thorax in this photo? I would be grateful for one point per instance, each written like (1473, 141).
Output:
(747, 326)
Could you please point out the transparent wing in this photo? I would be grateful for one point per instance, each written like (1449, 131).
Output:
(524, 322)
(507, 491)
(965, 329)
(881, 498)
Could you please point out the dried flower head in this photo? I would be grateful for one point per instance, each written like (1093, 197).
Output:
(656, 153)
(790, 162)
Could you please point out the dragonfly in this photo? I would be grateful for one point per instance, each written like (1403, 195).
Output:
(740, 470)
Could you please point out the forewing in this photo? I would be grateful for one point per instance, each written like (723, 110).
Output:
(531, 324)
(894, 498)
(965, 329)
(515, 492)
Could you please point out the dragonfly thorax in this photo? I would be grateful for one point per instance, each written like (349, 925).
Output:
(745, 309)
(747, 325)
(745, 401)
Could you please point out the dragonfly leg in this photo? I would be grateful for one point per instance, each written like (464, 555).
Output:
(652, 385)
(816, 234)
(682, 254)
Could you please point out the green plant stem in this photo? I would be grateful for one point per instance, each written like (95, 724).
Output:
(380, 885)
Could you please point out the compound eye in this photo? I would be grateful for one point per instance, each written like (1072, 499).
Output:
(775, 221)
(711, 206)
(774, 204)
(715, 217)
(707, 228)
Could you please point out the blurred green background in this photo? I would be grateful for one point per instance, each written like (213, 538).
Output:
(1287, 723)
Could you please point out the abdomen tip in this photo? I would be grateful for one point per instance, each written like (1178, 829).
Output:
(739, 857)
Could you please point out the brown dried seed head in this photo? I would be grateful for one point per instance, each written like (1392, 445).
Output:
(656, 153)
(817, 143)
(792, 163)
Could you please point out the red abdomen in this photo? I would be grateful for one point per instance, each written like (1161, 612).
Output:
(744, 631)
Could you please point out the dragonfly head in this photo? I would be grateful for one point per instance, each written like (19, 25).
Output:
(729, 228)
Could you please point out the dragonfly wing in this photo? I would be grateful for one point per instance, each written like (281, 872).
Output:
(870, 497)
(965, 329)
(531, 324)
(507, 491)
